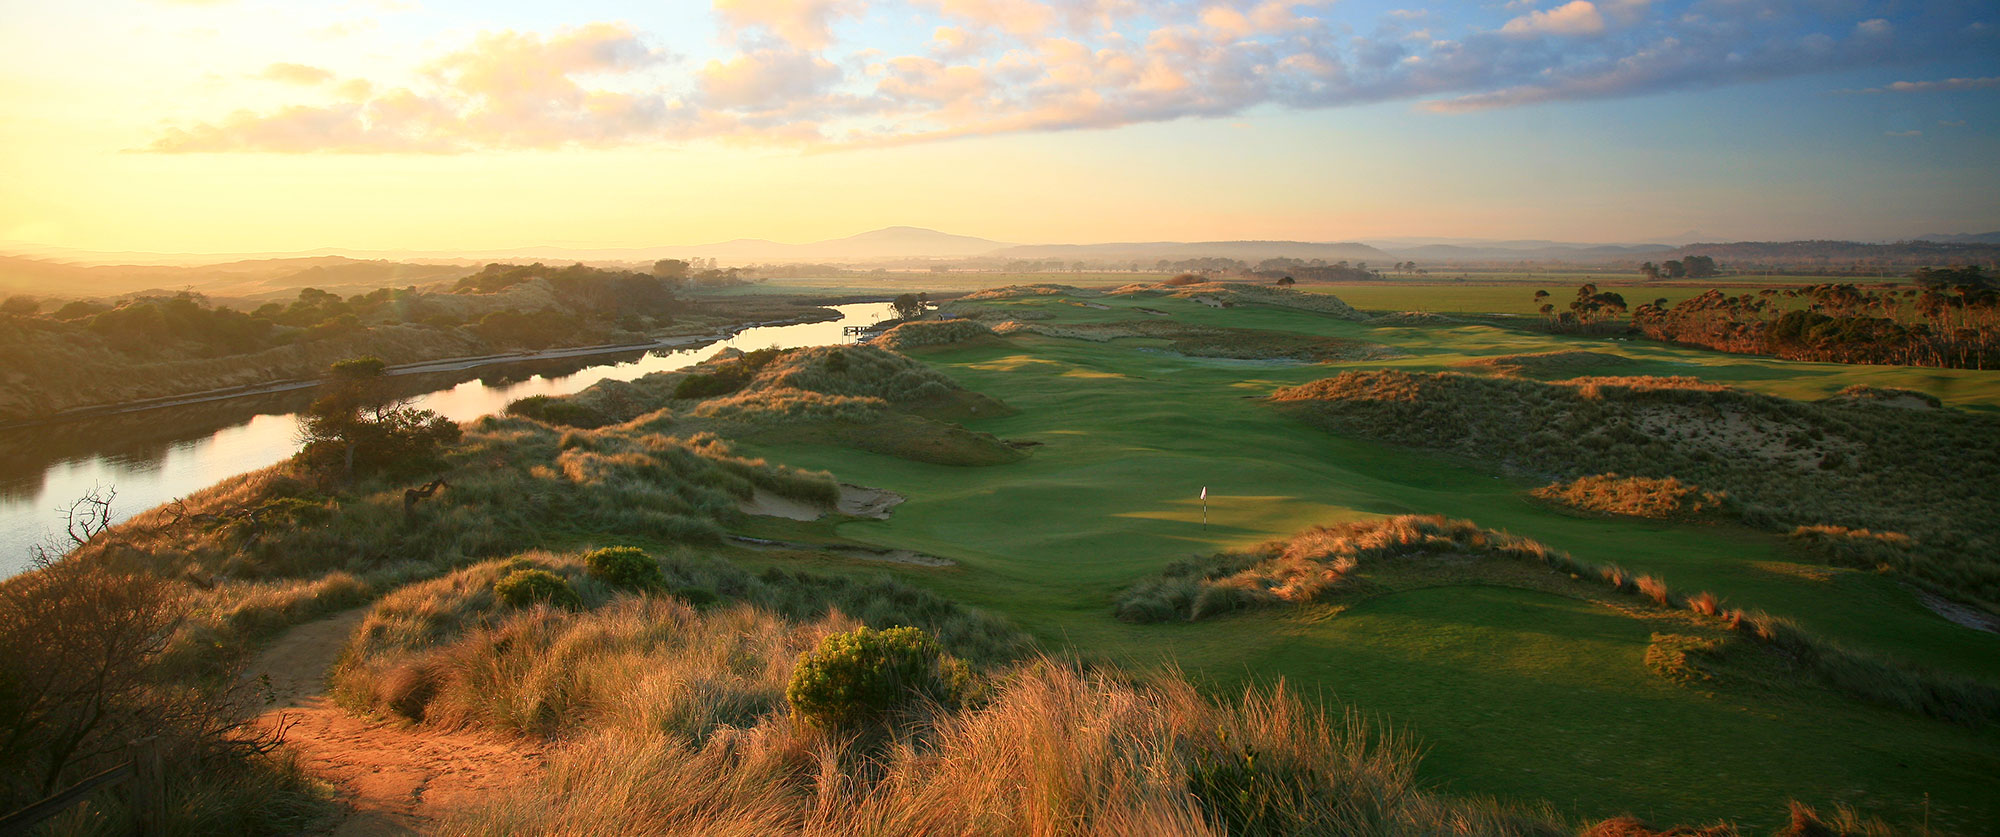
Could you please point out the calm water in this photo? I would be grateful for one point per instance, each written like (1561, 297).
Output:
(155, 456)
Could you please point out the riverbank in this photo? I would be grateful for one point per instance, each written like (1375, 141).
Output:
(447, 364)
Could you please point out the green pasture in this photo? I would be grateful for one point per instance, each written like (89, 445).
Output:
(1524, 695)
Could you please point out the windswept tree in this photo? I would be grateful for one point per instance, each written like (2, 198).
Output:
(670, 269)
(909, 306)
(355, 428)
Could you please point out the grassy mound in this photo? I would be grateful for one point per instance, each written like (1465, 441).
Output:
(678, 723)
(448, 652)
(1216, 342)
(1658, 499)
(509, 483)
(930, 333)
(860, 396)
(1547, 364)
(1934, 475)
(1336, 565)
(1024, 291)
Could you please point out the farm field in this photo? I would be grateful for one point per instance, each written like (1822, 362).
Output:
(1519, 694)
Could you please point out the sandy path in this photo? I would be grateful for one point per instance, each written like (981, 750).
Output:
(394, 780)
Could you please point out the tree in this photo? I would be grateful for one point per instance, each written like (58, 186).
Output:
(908, 306)
(1673, 268)
(1652, 271)
(670, 269)
(1700, 267)
(1287, 281)
(355, 424)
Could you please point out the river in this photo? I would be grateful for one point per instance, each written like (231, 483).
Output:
(153, 456)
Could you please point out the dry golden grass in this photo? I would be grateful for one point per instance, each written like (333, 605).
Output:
(1660, 499)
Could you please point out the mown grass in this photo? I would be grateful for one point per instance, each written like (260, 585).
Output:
(1325, 563)
(1567, 710)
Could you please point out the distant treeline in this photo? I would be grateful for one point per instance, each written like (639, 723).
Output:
(1950, 319)
(582, 300)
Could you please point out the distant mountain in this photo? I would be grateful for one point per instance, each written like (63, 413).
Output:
(1840, 254)
(1523, 251)
(876, 245)
(1962, 238)
(1152, 251)
(256, 279)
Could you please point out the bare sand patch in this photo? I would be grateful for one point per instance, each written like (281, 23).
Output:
(855, 501)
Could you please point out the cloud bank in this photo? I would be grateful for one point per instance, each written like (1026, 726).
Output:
(795, 75)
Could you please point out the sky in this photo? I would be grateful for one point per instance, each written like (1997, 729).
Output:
(236, 126)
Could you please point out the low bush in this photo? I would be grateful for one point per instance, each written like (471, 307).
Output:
(625, 567)
(530, 586)
(862, 675)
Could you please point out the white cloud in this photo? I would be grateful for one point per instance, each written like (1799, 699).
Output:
(803, 23)
(1577, 17)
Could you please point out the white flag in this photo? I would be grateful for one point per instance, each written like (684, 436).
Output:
(1204, 492)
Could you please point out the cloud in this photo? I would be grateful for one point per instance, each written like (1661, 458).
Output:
(505, 90)
(1949, 85)
(803, 23)
(1002, 66)
(288, 73)
(1577, 17)
(1903, 133)
(765, 78)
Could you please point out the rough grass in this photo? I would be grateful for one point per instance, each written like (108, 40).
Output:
(679, 726)
(1655, 498)
(1932, 474)
(445, 651)
(930, 333)
(1325, 562)
(511, 482)
(1027, 291)
(1546, 364)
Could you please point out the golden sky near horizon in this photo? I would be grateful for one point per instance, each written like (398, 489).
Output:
(247, 126)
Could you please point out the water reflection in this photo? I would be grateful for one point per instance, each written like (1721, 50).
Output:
(154, 456)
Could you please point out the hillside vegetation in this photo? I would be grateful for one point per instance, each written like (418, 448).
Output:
(1933, 475)
(862, 396)
(86, 353)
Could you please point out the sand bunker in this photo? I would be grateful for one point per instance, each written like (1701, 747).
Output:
(855, 501)
(858, 553)
(862, 501)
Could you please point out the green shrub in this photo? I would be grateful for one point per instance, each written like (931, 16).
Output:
(863, 674)
(623, 566)
(561, 412)
(1252, 796)
(696, 596)
(524, 587)
(709, 385)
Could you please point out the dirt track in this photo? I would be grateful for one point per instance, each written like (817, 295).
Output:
(393, 779)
